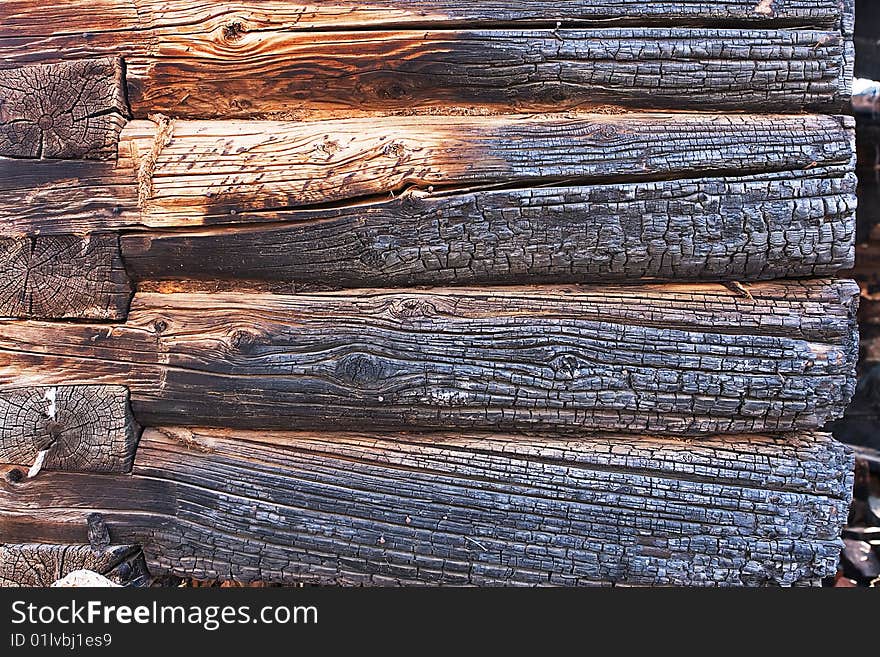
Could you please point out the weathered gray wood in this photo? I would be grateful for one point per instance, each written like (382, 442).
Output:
(62, 197)
(464, 509)
(38, 565)
(207, 60)
(82, 428)
(72, 109)
(685, 359)
(63, 277)
(703, 229)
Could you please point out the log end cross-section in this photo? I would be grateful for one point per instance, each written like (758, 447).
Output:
(73, 428)
(72, 110)
(63, 277)
(35, 564)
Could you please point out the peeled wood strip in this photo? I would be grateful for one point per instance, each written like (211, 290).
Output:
(680, 359)
(248, 59)
(463, 509)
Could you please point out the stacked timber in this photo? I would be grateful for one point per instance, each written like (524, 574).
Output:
(426, 291)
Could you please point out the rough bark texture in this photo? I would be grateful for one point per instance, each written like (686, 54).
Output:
(82, 428)
(63, 277)
(461, 509)
(709, 229)
(39, 565)
(71, 109)
(250, 59)
(681, 359)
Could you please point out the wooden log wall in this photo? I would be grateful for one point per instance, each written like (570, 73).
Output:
(376, 277)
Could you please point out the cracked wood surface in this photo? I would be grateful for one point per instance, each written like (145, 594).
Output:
(39, 565)
(63, 277)
(382, 509)
(80, 428)
(221, 59)
(236, 171)
(72, 110)
(725, 228)
(682, 359)
(463, 199)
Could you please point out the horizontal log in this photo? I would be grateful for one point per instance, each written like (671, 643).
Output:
(73, 428)
(681, 359)
(249, 59)
(63, 277)
(39, 565)
(189, 173)
(196, 172)
(74, 109)
(460, 509)
(692, 229)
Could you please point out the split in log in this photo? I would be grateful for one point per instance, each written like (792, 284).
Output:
(69, 110)
(696, 359)
(73, 428)
(462, 509)
(39, 565)
(222, 60)
(63, 277)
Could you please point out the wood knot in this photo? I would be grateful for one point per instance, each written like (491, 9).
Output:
(242, 340)
(15, 476)
(392, 91)
(160, 326)
(234, 30)
(328, 146)
(395, 149)
(413, 308)
(565, 367)
(360, 369)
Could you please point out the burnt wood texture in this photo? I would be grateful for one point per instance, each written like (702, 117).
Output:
(40, 564)
(258, 59)
(386, 509)
(74, 428)
(416, 200)
(63, 276)
(674, 358)
(218, 220)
